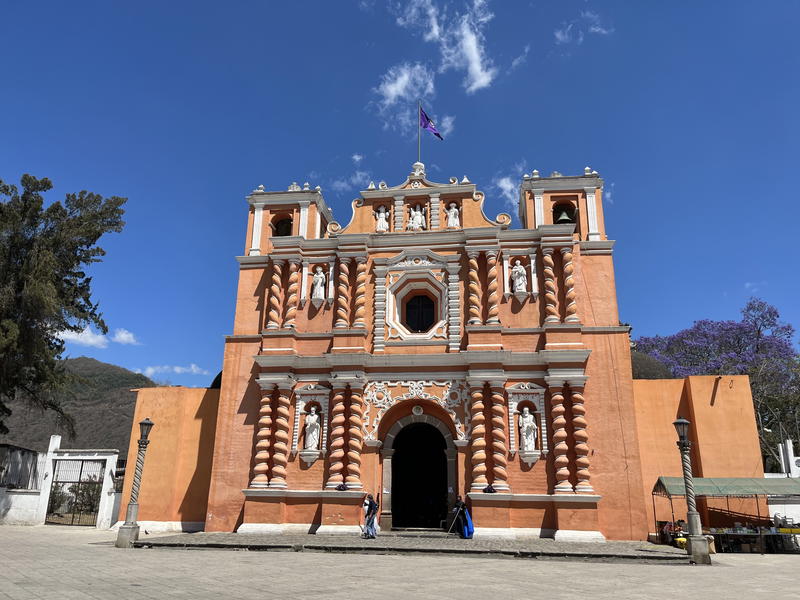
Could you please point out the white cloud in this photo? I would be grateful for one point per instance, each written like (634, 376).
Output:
(87, 337)
(608, 193)
(357, 181)
(521, 59)
(508, 190)
(399, 89)
(192, 369)
(125, 337)
(574, 31)
(357, 158)
(447, 125)
(754, 286)
(421, 14)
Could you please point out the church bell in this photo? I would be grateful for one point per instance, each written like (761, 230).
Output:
(564, 217)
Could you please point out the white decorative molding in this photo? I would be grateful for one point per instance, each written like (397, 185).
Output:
(399, 210)
(258, 224)
(507, 287)
(534, 277)
(379, 328)
(538, 206)
(303, 228)
(379, 396)
(591, 208)
(454, 307)
(526, 392)
(330, 282)
(435, 211)
(304, 284)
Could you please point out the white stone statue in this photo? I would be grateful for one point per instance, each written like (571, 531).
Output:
(528, 431)
(453, 219)
(318, 284)
(519, 279)
(416, 219)
(311, 439)
(382, 224)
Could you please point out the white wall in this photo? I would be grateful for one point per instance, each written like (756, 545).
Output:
(18, 507)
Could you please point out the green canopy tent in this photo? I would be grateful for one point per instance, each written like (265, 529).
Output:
(724, 487)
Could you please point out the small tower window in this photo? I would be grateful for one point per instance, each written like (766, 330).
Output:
(283, 228)
(563, 213)
(419, 315)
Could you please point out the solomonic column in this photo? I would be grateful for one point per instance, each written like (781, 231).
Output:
(475, 317)
(336, 449)
(275, 295)
(291, 296)
(263, 435)
(355, 439)
(569, 285)
(560, 449)
(550, 289)
(361, 291)
(499, 438)
(280, 449)
(478, 439)
(343, 294)
(493, 317)
(581, 440)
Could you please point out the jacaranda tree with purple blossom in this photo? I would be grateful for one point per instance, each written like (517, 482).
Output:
(759, 345)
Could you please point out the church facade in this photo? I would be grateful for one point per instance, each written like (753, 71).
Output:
(425, 351)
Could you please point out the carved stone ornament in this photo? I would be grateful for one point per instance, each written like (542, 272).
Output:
(308, 394)
(318, 282)
(380, 396)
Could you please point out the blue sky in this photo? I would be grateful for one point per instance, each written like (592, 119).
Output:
(688, 110)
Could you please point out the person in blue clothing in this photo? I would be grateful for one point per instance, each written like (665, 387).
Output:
(463, 520)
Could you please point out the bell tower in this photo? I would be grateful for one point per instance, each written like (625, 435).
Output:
(563, 200)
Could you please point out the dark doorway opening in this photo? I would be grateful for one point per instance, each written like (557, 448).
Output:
(419, 477)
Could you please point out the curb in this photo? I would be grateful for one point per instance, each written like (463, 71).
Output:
(335, 549)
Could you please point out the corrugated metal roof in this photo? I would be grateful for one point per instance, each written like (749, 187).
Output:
(728, 486)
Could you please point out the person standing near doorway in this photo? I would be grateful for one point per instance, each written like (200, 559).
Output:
(370, 513)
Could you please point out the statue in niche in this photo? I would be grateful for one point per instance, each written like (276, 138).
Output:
(318, 284)
(528, 431)
(381, 216)
(311, 439)
(453, 219)
(519, 279)
(416, 219)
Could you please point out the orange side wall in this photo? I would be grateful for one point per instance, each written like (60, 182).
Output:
(177, 467)
(723, 433)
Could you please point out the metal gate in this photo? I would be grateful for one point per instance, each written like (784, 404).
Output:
(75, 492)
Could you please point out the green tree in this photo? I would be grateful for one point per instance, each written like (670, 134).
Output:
(44, 289)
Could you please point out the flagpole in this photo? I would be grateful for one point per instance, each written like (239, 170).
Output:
(419, 131)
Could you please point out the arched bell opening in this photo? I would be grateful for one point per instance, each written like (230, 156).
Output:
(282, 227)
(564, 213)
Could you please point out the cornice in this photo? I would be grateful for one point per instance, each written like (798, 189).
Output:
(576, 183)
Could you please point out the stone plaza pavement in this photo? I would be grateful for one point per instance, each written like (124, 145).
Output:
(76, 563)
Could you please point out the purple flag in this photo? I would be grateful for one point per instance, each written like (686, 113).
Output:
(426, 123)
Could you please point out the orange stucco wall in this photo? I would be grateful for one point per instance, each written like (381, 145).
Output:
(177, 468)
(724, 441)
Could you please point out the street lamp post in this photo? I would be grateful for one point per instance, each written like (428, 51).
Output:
(129, 531)
(697, 546)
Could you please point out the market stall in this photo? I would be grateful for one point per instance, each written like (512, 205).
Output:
(759, 534)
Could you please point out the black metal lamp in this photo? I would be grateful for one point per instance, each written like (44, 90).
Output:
(682, 427)
(145, 427)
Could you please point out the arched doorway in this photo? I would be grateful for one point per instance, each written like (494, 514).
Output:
(419, 477)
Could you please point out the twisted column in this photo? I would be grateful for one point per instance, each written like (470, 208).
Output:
(355, 439)
(569, 285)
(336, 450)
(475, 317)
(261, 469)
(560, 448)
(291, 296)
(343, 294)
(275, 295)
(581, 440)
(361, 291)
(478, 441)
(499, 438)
(550, 289)
(493, 285)
(280, 449)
